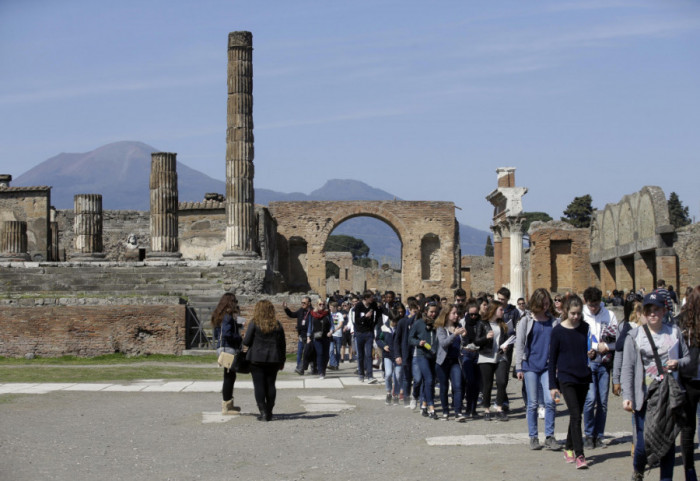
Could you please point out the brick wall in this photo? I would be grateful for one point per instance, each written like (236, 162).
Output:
(687, 248)
(92, 330)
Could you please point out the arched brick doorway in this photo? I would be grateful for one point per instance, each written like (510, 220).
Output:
(412, 222)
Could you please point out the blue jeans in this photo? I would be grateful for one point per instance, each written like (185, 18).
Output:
(595, 409)
(390, 380)
(322, 347)
(450, 372)
(300, 351)
(639, 461)
(336, 344)
(427, 371)
(533, 380)
(472, 381)
(417, 380)
(365, 341)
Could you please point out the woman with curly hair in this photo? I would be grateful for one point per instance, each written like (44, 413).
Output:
(689, 323)
(227, 339)
(267, 348)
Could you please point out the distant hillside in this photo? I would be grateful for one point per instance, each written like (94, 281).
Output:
(120, 172)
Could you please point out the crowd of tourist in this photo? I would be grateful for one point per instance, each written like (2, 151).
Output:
(563, 348)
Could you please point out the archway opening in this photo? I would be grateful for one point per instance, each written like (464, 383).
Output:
(367, 253)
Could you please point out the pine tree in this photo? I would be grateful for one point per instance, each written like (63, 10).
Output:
(579, 212)
(677, 213)
(488, 250)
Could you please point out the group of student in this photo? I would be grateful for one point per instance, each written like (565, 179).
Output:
(564, 348)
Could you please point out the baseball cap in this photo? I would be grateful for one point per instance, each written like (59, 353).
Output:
(654, 299)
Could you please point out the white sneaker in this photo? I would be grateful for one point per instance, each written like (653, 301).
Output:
(540, 412)
(413, 404)
(372, 381)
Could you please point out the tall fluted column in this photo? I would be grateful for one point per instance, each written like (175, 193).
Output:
(88, 227)
(517, 278)
(164, 205)
(13, 242)
(240, 210)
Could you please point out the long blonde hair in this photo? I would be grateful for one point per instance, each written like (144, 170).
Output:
(264, 316)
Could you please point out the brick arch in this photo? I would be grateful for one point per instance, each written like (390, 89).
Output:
(410, 220)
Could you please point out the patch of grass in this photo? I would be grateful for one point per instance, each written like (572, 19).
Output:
(107, 374)
(116, 358)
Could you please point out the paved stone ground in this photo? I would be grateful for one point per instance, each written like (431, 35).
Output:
(336, 428)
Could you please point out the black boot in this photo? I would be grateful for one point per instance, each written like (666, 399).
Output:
(268, 412)
(261, 416)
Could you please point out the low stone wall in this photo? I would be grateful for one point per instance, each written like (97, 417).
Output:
(56, 330)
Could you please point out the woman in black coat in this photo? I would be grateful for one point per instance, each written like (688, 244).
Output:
(267, 350)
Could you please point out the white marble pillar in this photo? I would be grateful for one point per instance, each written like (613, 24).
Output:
(517, 277)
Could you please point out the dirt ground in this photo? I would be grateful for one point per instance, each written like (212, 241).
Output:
(162, 436)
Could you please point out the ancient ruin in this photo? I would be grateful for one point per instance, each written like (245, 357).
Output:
(164, 206)
(507, 232)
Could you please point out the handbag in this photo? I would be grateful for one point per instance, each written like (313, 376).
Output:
(226, 360)
(240, 363)
(226, 354)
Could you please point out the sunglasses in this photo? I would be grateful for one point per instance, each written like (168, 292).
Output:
(557, 300)
(476, 314)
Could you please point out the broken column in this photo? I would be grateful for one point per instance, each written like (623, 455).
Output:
(240, 210)
(53, 235)
(88, 228)
(5, 180)
(13, 242)
(164, 206)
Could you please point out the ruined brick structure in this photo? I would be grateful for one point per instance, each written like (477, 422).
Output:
(559, 257)
(427, 231)
(30, 205)
(477, 274)
(632, 242)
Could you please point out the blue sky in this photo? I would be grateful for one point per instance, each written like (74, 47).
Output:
(424, 100)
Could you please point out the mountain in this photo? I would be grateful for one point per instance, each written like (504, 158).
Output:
(120, 172)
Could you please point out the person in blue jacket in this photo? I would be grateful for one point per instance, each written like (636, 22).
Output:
(385, 342)
(228, 339)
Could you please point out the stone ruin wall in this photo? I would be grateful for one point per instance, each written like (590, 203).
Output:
(687, 248)
(201, 228)
(477, 274)
(559, 258)
(80, 330)
(30, 205)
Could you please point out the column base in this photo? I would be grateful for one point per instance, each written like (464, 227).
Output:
(87, 257)
(163, 255)
(14, 257)
(243, 255)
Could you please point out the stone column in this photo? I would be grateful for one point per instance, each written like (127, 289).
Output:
(164, 206)
(13, 242)
(53, 235)
(643, 273)
(607, 276)
(517, 276)
(240, 197)
(88, 227)
(667, 266)
(497, 258)
(624, 274)
(505, 255)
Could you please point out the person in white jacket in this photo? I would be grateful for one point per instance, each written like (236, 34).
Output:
(602, 336)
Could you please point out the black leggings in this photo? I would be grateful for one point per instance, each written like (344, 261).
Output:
(488, 370)
(692, 396)
(229, 380)
(264, 377)
(574, 396)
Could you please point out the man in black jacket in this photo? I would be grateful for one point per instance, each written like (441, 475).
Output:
(302, 316)
(367, 315)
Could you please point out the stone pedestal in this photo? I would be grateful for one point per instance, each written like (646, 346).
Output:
(13, 241)
(164, 207)
(88, 228)
(241, 233)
